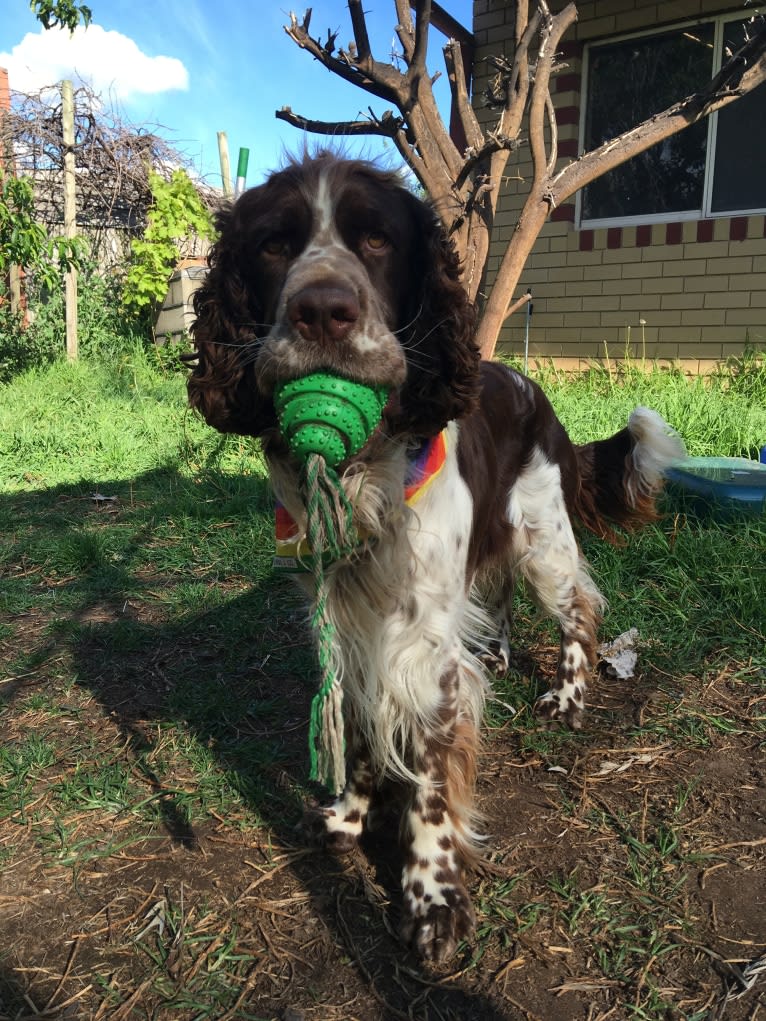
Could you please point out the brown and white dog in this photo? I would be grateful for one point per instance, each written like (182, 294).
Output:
(332, 265)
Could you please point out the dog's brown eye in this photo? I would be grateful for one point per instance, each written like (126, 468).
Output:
(274, 246)
(376, 240)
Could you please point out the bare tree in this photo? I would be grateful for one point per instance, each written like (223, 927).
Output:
(113, 163)
(465, 185)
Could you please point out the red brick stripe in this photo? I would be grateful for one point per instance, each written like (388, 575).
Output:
(738, 228)
(705, 230)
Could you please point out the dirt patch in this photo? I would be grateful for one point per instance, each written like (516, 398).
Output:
(624, 875)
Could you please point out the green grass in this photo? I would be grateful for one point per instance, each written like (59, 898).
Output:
(156, 677)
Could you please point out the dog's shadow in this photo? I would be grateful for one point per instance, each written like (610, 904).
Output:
(238, 676)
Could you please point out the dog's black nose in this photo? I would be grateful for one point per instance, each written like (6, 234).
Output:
(323, 313)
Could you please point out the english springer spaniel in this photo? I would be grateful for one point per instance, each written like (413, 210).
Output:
(470, 480)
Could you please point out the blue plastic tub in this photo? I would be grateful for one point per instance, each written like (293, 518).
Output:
(732, 482)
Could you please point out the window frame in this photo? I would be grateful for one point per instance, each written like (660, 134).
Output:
(704, 213)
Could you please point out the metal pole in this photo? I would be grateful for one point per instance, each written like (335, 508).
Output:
(526, 331)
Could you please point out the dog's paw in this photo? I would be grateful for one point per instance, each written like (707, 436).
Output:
(550, 708)
(324, 827)
(495, 659)
(434, 929)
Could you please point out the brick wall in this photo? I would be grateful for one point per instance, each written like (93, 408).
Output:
(691, 290)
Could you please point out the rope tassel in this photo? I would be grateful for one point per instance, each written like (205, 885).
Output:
(330, 529)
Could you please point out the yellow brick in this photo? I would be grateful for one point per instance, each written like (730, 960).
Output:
(666, 318)
(549, 259)
(546, 320)
(685, 300)
(582, 320)
(753, 282)
(597, 303)
(690, 267)
(533, 275)
(622, 287)
(612, 272)
(689, 231)
(583, 287)
(747, 318)
(727, 299)
(566, 273)
(612, 255)
(559, 304)
(663, 253)
(706, 317)
(687, 334)
(723, 333)
(732, 264)
(752, 246)
(640, 302)
(596, 27)
(707, 283)
(561, 243)
(713, 348)
(618, 7)
(615, 318)
(663, 285)
(640, 269)
(677, 10)
(632, 20)
(490, 19)
(708, 250)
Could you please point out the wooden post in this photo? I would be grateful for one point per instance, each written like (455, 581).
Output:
(70, 215)
(223, 155)
(6, 167)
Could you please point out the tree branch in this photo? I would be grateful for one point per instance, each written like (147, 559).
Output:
(359, 25)
(453, 58)
(494, 142)
(553, 29)
(405, 30)
(422, 23)
(387, 125)
(379, 79)
(516, 305)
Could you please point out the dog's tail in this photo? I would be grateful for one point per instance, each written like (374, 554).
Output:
(622, 476)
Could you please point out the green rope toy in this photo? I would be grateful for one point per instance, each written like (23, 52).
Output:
(326, 419)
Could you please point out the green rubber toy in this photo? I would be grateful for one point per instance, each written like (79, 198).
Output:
(328, 415)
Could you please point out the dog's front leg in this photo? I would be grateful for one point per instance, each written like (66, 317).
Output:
(436, 829)
(339, 826)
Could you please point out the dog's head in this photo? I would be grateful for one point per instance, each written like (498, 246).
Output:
(333, 265)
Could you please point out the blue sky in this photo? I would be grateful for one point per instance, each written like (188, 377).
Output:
(196, 67)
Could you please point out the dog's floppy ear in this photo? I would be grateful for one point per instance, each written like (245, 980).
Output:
(439, 336)
(222, 385)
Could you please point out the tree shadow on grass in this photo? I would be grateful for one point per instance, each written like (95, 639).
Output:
(162, 605)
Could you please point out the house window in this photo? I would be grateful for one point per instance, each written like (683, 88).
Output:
(714, 167)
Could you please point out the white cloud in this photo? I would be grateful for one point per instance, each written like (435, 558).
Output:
(108, 61)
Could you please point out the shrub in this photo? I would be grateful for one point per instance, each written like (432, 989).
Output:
(103, 330)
